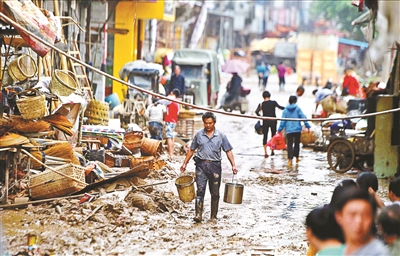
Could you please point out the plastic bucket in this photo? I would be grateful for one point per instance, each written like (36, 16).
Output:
(185, 186)
(113, 100)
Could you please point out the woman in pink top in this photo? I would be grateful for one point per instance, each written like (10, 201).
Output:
(281, 73)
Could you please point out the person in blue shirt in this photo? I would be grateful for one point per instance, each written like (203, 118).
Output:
(263, 73)
(324, 96)
(293, 129)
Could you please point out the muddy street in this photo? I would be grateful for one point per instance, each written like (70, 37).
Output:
(270, 221)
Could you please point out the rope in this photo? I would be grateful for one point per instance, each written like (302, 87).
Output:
(16, 25)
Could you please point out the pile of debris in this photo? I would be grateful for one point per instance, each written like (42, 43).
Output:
(39, 166)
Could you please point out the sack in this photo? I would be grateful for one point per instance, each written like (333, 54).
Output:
(258, 127)
(277, 142)
(328, 104)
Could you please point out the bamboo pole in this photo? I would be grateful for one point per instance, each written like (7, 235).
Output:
(63, 59)
(15, 24)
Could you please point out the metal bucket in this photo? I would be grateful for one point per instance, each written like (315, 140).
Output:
(185, 186)
(233, 192)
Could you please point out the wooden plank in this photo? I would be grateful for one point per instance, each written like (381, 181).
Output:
(16, 42)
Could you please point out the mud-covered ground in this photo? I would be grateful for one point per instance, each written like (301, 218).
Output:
(268, 222)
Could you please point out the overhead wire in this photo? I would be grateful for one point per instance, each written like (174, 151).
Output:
(13, 23)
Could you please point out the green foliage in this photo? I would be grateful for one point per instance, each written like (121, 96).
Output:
(341, 12)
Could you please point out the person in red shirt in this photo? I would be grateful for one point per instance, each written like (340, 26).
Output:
(171, 119)
(350, 84)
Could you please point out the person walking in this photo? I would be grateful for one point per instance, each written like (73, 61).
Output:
(208, 142)
(263, 73)
(171, 119)
(267, 107)
(177, 81)
(293, 129)
(156, 113)
(281, 74)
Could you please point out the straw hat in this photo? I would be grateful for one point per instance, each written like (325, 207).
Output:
(12, 139)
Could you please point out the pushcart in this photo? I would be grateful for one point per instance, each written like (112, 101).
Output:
(351, 149)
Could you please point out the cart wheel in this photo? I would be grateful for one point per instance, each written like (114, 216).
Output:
(341, 155)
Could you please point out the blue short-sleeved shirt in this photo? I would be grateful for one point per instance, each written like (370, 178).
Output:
(322, 94)
(210, 148)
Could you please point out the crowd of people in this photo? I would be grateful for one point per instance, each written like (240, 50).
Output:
(163, 114)
(356, 221)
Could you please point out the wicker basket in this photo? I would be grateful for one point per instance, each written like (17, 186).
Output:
(32, 104)
(55, 185)
(22, 68)
(63, 83)
(146, 162)
(150, 147)
(97, 112)
(133, 140)
(183, 113)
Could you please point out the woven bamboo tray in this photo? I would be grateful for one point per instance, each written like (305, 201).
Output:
(183, 113)
(49, 184)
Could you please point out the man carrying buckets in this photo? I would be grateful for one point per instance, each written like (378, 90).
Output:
(208, 142)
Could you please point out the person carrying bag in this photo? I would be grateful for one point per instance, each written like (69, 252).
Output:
(268, 107)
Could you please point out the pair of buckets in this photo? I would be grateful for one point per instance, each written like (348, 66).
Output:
(233, 193)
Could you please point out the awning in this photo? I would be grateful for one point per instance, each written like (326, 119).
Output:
(353, 42)
(161, 52)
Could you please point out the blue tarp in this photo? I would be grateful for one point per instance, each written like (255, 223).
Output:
(353, 42)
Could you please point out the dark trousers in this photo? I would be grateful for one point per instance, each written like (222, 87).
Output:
(282, 81)
(211, 172)
(263, 81)
(267, 125)
(156, 130)
(293, 150)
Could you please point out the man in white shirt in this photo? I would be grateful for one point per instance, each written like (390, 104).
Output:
(155, 113)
